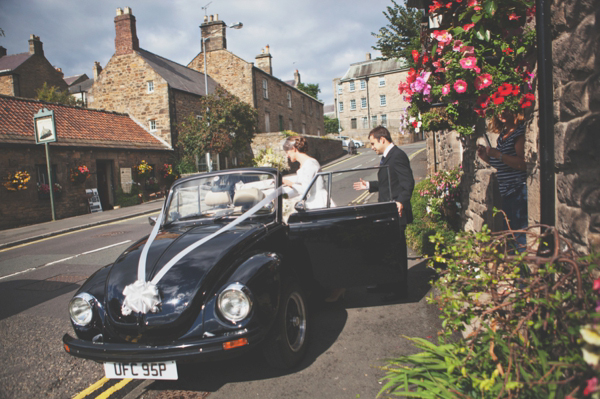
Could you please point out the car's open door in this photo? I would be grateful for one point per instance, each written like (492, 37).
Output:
(351, 242)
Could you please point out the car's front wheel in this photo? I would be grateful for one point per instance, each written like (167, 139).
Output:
(287, 343)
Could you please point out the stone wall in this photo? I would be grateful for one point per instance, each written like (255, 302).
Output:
(322, 149)
(7, 85)
(19, 208)
(444, 150)
(123, 87)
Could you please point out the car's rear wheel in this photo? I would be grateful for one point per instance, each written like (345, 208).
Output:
(287, 342)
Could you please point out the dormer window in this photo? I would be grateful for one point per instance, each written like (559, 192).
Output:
(151, 86)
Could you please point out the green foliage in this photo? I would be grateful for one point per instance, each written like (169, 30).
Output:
(52, 94)
(312, 89)
(402, 33)
(124, 199)
(228, 125)
(525, 313)
(269, 159)
(331, 124)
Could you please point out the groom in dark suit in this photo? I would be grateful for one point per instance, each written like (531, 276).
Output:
(401, 182)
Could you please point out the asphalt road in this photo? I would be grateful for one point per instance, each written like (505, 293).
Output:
(348, 339)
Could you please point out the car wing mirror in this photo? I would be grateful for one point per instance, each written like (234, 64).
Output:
(152, 220)
(300, 206)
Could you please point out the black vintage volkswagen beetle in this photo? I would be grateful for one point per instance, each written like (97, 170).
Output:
(222, 272)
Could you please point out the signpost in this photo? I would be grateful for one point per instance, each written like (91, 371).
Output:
(45, 132)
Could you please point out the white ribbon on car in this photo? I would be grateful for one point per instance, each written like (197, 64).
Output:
(142, 296)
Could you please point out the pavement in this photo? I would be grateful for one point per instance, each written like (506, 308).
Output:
(22, 235)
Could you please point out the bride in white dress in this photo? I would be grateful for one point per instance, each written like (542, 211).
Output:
(296, 148)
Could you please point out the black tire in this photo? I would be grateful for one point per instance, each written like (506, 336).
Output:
(287, 342)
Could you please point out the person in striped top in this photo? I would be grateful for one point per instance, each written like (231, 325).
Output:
(509, 160)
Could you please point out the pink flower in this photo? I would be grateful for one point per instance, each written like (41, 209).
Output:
(468, 27)
(468, 62)
(597, 285)
(482, 81)
(460, 86)
(592, 385)
(468, 50)
(443, 37)
(513, 17)
(446, 89)
(457, 45)
(402, 87)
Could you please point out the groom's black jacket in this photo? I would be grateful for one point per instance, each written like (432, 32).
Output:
(401, 179)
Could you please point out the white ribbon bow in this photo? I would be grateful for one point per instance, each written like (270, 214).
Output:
(141, 297)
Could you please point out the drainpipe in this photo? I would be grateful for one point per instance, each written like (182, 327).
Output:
(546, 113)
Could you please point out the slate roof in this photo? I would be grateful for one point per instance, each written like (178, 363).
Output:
(72, 79)
(85, 86)
(74, 126)
(328, 109)
(373, 68)
(178, 76)
(13, 61)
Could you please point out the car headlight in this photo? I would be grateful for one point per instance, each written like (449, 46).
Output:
(81, 309)
(235, 302)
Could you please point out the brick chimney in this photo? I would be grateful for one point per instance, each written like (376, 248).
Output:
(59, 70)
(214, 29)
(296, 78)
(97, 69)
(126, 41)
(2, 51)
(263, 60)
(36, 46)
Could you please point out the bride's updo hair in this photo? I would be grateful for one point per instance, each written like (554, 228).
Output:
(298, 142)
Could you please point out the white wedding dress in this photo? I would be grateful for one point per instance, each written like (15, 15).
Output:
(317, 196)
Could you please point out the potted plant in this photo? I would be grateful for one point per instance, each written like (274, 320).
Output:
(44, 190)
(142, 170)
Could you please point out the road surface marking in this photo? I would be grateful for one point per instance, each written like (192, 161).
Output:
(95, 386)
(114, 389)
(414, 154)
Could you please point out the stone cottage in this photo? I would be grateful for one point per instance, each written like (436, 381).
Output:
(280, 106)
(108, 144)
(23, 74)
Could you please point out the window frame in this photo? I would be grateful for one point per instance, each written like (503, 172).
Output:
(353, 105)
(363, 102)
(152, 125)
(289, 99)
(382, 81)
(150, 86)
(382, 100)
(265, 88)
(363, 84)
(352, 86)
(341, 106)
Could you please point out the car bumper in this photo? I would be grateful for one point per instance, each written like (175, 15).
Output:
(203, 350)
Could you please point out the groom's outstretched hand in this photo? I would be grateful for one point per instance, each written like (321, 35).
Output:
(360, 185)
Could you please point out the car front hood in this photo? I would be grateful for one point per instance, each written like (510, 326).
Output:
(184, 287)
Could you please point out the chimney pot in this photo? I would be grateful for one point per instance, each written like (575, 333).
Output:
(212, 18)
(35, 45)
(119, 11)
(267, 50)
(216, 17)
(205, 18)
(128, 10)
(368, 56)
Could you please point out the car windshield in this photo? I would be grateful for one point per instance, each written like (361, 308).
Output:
(223, 196)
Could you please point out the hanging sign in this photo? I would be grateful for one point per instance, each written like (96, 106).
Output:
(45, 129)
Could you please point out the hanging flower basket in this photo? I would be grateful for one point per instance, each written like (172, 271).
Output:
(17, 181)
(142, 171)
(80, 174)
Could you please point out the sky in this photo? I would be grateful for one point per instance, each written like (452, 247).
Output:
(319, 38)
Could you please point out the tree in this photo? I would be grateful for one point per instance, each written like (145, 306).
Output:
(401, 35)
(331, 124)
(52, 94)
(228, 125)
(312, 89)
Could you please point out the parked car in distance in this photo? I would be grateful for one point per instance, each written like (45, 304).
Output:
(357, 143)
(223, 272)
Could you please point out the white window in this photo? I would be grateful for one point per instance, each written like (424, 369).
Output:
(151, 86)
(382, 81)
(265, 89)
(363, 84)
(382, 100)
(152, 124)
(365, 122)
(353, 123)
(363, 102)
(374, 121)
(267, 122)
(352, 105)
(341, 106)
(339, 88)
(289, 98)
(384, 120)
(352, 86)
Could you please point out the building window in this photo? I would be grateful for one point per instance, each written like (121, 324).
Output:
(152, 124)
(265, 89)
(267, 122)
(363, 102)
(374, 121)
(318, 132)
(281, 128)
(341, 106)
(384, 120)
(352, 86)
(289, 98)
(352, 105)
(291, 125)
(339, 88)
(151, 86)
(382, 81)
(365, 122)
(42, 174)
(382, 100)
(353, 123)
(363, 84)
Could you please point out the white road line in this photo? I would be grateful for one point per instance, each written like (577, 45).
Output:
(356, 167)
(65, 259)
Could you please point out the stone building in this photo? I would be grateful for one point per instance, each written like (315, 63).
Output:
(158, 93)
(280, 106)
(23, 74)
(367, 96)
(109, 144)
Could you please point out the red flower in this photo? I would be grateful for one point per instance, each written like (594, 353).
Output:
(415, 55)
(402, 87)
(483, 101)
(497, 99)
(412, 75)
(526, 102)
(505, 89)
(415, 124)
(425, 59)
(468, 62)
(467, 27)
(513, 17)
(460, 86)
(516, 91)
(507, 50)
(597, 285)
(592, 385)
(482, 81)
